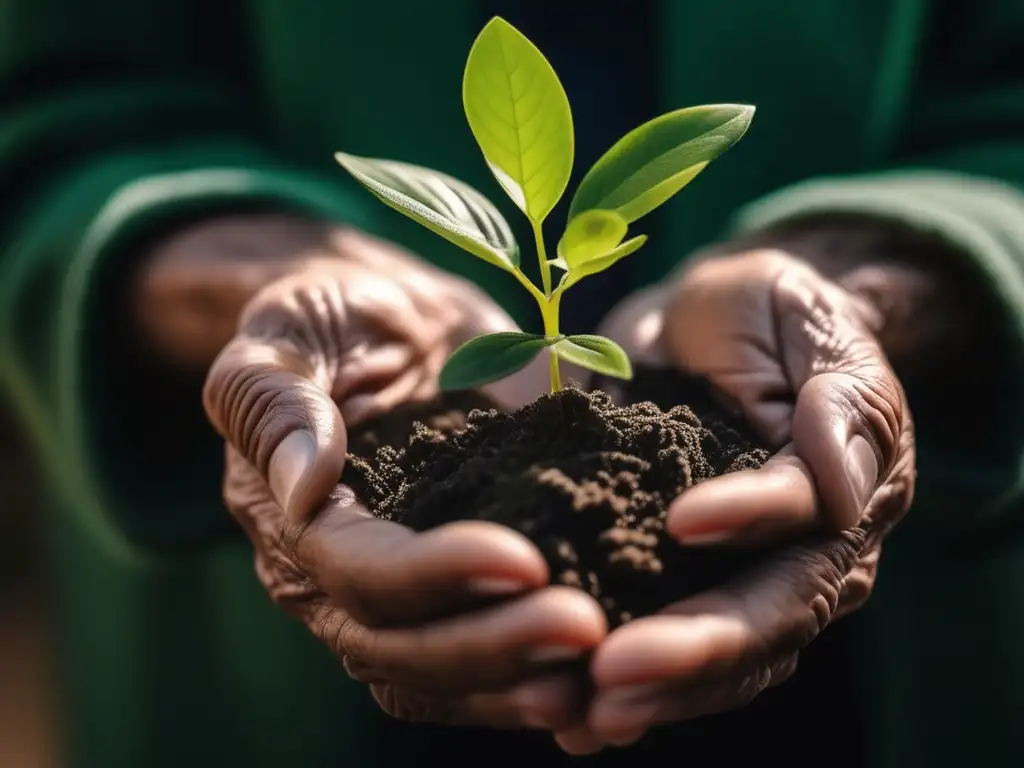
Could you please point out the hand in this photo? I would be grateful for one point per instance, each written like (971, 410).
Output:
(442, 625)
(801, 356)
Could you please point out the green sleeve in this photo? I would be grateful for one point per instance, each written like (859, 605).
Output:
(95, 159)
(955, 171)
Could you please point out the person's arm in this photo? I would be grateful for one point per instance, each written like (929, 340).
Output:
(121, 123)
(948, 207)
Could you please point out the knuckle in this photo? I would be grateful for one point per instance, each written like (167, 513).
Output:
(248, 396)
(758, 680)
(859, 587)
(246, 495)
(872, 403)
(814, 580)
(755, 684)
(859, 583)
(355, 641)
(307, 544)
(278, 406)
(255, 408)
(285, 584)
(328, 627)
(346, 638)
(732, 693)
(393, 703)
(248, 499)
(826, 584)
(361, 673)
(893, 500)
(783, 671)
(879, 402)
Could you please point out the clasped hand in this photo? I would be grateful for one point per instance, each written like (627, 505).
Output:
(457, 625)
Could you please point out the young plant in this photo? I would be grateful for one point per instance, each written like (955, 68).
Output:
(520, 116)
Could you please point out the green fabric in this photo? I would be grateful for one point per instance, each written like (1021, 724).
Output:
(122, 119)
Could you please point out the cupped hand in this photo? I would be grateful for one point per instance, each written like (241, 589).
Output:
(442, 625)
(801, 357)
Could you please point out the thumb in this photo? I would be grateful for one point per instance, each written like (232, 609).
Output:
(850, 420)
(848, 428)
(272, 406)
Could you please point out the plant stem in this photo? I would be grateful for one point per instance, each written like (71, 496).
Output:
(549, 307)
(539, 297)
(542, 257)
(549, 313)
(554, 373)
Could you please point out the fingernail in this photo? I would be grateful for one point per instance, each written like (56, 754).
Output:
(862, 470)
(496, 586)
(289, 463)
(554, 653)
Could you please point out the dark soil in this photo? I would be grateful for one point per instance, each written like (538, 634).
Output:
(587, 481)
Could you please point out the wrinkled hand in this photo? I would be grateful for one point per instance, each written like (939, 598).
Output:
(346, 336)
(800, 356)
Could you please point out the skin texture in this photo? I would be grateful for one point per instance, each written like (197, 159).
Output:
(354, 327)
(456, 625)
(798, 338)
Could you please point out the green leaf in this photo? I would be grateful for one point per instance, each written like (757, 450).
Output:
(601, 263)
(595, 353)
(491, 357)
(651, 163)
(445, 206)
(589, 235)
(520, 117)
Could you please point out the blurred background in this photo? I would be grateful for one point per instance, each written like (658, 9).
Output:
(177, 663)
(27, 713)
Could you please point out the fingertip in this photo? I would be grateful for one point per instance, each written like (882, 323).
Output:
(266, 403)
(491, 558)
(746, 506)
(829, 434)
(574, 616)
(701, 514)
(658, 647)
(613, 663)
(385, 573)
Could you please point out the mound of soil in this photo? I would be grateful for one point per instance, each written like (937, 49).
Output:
(576, 524)
(587, 481)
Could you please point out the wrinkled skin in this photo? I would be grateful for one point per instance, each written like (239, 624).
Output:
(801, 356)
(355, 329)
(339, 339)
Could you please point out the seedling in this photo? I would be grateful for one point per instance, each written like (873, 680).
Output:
(520, 117)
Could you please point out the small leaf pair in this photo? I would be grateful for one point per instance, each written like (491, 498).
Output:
(520, 117)
(497, 355)
(593, 242)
